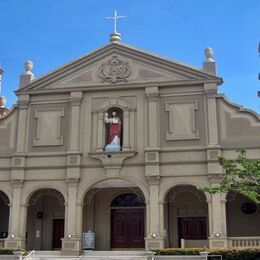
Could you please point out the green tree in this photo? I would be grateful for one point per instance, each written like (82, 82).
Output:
(242, 175)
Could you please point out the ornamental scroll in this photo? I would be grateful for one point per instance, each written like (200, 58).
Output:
(114, 70)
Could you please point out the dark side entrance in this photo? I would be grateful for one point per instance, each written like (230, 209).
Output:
(127, 221)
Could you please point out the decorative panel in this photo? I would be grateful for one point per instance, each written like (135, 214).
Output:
(48, 127)
(182, 120)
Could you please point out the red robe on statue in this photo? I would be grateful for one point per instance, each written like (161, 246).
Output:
(114, 130)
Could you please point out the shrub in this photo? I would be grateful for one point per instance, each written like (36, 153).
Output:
(10, 251)
(227, 254)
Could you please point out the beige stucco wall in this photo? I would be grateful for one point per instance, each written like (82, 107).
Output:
(239, 223)
(175, 126)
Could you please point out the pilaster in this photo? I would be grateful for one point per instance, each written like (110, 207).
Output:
(100, 131)
(152, 94)
(75, 99)
(126, 141)
(23, 104)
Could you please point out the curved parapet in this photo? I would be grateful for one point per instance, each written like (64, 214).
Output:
(9, 112)
(238, 127)
(8, 132)
(241, 108)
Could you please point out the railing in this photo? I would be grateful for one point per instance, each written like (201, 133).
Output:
(243, 242)
(31, 254)
(50, 257)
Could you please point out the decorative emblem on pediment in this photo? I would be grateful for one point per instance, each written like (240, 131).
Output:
(114, 70)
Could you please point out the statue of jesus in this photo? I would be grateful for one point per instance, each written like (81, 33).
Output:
(114, 132)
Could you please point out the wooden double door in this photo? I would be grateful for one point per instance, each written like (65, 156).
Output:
(193, 228)
(127, 228)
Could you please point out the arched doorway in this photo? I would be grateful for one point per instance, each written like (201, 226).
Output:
(104, 204)
(127, 221)
(243, 216)
(45, 220)
(4, 217)
(186, 217)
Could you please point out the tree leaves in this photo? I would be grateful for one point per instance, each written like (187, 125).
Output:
(242, 175)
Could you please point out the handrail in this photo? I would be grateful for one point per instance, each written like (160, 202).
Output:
(30, 254)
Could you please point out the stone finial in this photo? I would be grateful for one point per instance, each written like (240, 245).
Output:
(209, 64)
(28, 67)
(209, 54)
(3, 109)
(115, 37)
(28, 75)
(1, 73)
(2, 101)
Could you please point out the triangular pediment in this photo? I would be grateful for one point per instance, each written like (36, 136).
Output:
(117, 64)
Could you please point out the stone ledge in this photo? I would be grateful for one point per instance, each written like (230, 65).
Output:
(113, 161)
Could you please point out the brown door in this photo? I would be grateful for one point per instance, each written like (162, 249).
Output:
(193, 228)
(127, 228)
(58, 233)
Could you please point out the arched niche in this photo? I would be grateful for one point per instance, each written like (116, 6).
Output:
(119, 113)
(126, 108)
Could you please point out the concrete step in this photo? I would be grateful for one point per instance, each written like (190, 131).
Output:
(95, 255)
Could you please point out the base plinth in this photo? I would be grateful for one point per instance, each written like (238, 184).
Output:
(71, 246)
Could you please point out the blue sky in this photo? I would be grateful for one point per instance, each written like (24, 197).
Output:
(54, 32)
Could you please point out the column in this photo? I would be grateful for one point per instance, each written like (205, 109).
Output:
(161, 219)
(217, 214)
(15, 239)
(79, 219)
(155, 238)
(71, 243)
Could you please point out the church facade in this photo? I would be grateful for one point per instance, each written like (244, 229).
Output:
(66, 171)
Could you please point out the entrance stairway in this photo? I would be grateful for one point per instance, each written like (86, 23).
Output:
(87, 255)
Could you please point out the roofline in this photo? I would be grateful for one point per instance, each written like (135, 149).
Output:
(77, 62)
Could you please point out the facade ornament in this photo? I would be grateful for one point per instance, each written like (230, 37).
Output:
(28, 67)
(115, 37)
(152, 96)
(114, 70)
(215, 178)
(114, 134)
(209, 54)
(3, 109)
(211, 92)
